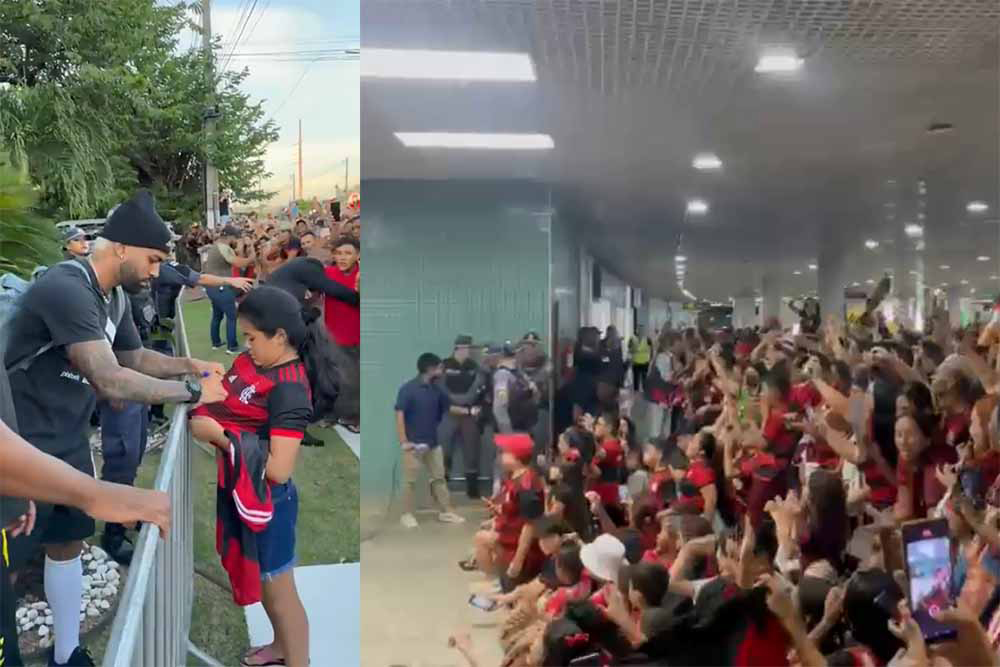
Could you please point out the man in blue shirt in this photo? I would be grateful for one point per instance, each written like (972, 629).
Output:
(420, 406)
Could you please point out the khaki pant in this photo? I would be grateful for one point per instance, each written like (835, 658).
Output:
(433, 460)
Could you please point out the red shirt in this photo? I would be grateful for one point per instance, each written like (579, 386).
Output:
(650, 556)
(700, 475)
(956, 428)
(780, 440)
(518, 498)
(610, 467)
(660, 482)
(565, 594)
(805, 395)
(269, 402)
(343, 320)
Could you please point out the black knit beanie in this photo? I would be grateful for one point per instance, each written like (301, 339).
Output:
(136, 223)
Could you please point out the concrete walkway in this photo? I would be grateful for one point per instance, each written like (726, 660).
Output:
(353, 440)
(331, 595)
(415, 596)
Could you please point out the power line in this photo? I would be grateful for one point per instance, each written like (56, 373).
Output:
(241, 31)
(292, 91)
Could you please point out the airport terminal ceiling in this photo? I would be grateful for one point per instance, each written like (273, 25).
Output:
(891, 121)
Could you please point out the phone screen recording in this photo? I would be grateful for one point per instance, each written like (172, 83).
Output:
(928, 563)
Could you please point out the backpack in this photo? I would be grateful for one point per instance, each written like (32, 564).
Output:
(11, 289)
(522, 404)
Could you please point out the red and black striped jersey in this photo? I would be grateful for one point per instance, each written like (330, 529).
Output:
(267, 401)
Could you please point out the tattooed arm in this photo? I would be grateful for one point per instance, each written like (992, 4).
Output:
(150, 362)
(97, 362)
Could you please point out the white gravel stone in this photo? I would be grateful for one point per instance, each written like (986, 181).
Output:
(83, 617)
(21, 613)
(113, 565)
(113, 575)
(47, 642)
(104, 604)
(102, 569)
(92, 611)
(32, 614)
(99, 553)
(39, 605)
(87, 556)
(43, 631)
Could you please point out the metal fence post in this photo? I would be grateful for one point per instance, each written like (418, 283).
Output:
(151, 626)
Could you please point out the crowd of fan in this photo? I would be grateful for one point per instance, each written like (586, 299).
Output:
(761, 522)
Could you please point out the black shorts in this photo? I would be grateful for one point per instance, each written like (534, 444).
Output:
(56, 524)
(10, 656)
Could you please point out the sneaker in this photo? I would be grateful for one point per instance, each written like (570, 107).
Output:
(114, 541)
(450, 517)
(80, 658)
(234, 352)
(408, 521)
(218, 347)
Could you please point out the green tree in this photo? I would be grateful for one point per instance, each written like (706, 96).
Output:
(26, 240)
(103, 102)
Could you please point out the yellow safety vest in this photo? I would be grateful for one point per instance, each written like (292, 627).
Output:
(640, 350)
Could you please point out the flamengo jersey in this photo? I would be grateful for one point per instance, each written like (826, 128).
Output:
(269, 402)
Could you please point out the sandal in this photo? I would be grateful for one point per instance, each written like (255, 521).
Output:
(261, 653)
(353, 428)
(468, 565)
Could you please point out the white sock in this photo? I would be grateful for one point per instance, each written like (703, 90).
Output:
(64, 591)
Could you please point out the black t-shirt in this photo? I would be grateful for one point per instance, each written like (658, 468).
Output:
(306, 273)
(53, 402)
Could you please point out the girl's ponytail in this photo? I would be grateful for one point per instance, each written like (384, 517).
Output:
(333, 374)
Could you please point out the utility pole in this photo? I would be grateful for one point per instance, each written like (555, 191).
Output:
(210, 116)
(300, 158)
(346, 162)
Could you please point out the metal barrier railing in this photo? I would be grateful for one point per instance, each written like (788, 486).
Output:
(151, 625)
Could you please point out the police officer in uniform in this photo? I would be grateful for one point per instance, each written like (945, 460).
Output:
(535, 364)
(465, 382)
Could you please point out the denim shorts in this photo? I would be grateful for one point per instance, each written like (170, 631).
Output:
(276, 544)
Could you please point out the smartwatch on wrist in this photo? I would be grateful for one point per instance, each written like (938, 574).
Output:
(194, 388)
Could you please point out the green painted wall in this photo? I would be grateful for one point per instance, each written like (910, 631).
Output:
(438, 259)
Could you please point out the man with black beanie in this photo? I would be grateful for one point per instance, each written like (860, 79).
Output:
(72, 338)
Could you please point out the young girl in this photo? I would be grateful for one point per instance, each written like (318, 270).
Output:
(699, 488)
(288, 373)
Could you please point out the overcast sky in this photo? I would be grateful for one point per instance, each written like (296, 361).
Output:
(325, 95)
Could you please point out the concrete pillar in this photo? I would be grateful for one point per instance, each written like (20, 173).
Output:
(833, 277)
(770, 291)
(954, 306)
(745, 312)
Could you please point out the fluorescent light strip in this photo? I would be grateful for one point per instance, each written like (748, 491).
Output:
(778, 63)
(446, 65)
(516, 142)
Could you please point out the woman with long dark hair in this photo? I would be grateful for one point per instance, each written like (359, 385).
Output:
(288, 373)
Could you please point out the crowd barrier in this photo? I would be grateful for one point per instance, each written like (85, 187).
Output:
(150, 628)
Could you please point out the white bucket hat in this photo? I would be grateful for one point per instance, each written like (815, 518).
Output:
(604, 557)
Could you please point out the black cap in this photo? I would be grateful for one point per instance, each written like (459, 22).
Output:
(503, 349)
(136, 223)
(463, 340)
(531, 337)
